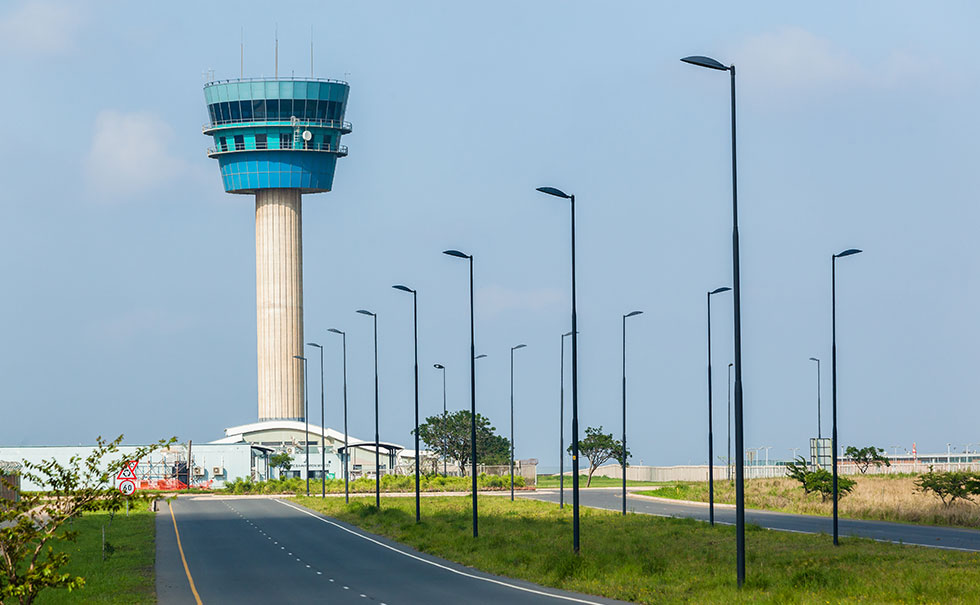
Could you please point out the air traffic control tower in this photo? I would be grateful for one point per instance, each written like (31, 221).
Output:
(278, 139)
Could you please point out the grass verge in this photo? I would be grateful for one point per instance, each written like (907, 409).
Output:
(875, 498)
(127, 576)
(549, 481)
(661, 560)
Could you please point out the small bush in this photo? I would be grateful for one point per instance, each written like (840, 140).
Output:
(950, 486)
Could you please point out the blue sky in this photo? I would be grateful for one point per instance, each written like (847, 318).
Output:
(128, 275)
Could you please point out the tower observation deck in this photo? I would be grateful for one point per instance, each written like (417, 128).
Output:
(278, 139)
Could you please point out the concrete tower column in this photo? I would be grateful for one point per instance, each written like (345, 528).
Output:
(279, 302)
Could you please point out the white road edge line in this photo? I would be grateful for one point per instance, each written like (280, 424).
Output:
(433, 563)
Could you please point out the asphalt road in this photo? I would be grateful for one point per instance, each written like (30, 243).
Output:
(264, 550)
(922, 535)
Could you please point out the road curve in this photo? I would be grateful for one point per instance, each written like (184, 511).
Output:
(267, 550)
(952, 538)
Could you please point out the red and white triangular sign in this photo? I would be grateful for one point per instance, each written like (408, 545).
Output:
(128, 471)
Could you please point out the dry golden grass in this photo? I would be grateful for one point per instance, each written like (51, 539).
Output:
(875, 497)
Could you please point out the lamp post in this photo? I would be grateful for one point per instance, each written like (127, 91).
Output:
(469, 257)
(512, 349)
(818, 395)
(575, 496)
(729, 461)
(625, 317)
(561, 427)
(711, 438)
(377, 433)
(833, 353)
(439, 366)
(346, 450)
(737, 314)
(306, 417)
(415, 323)
(323, 426)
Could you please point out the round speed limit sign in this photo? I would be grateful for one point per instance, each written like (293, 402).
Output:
(127, 488)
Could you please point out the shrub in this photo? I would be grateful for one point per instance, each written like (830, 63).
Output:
(950, 486)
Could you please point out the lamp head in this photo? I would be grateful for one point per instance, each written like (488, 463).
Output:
(720, 290)
(313, 344)
(521, 346)
(705, 62)
(299, 357)
(632, 314)
(566, 334)
(456, 253)
(366, 312)
(848, 252)
(480, 356)
(814, 359)
(439, 366)
(404, 288)
(553, 191)
(335, 331)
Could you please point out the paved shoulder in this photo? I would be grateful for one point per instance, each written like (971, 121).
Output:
(260, 550)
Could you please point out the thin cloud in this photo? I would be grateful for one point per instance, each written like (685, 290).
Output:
(498, 299)
(130, 154)
(40, 27)
(792, 61)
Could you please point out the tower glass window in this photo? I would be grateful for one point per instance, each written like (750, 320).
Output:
(239, 142)
(285, 140)
(260, 141)
(258, 109)
(272, 109)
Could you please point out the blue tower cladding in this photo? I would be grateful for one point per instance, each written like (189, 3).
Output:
(276, 133)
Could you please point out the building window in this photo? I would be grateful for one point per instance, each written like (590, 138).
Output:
(223, 143)
(258, 109)
(285, 109)
(261, 142)
(272, 109)
(236, 114)
(246, 110)
(285, 140)
(239, 142)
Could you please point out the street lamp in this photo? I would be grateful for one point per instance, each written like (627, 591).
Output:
(575, 498)
(377, 433)
(818, 395)
(323, 426)
(561, 427)
(833, 353)
(415, 320)
(512, 349)
(711, 438)
(625, 317)
(729, 461)
(469, 257)
(346, 450)
(737, 314)
(439, 366)
(306, 417)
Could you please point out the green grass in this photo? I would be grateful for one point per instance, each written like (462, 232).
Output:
(660, 560)
(127, 576)
(547, 481)
(874, 498)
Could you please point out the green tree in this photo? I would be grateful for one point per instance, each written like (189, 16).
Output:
(281, 461)
(866, 456)
(820, 481)
(598, 448)
(950, 486)
(449, 435)
(28, 562)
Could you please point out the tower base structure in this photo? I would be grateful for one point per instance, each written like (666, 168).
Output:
(279, 302)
